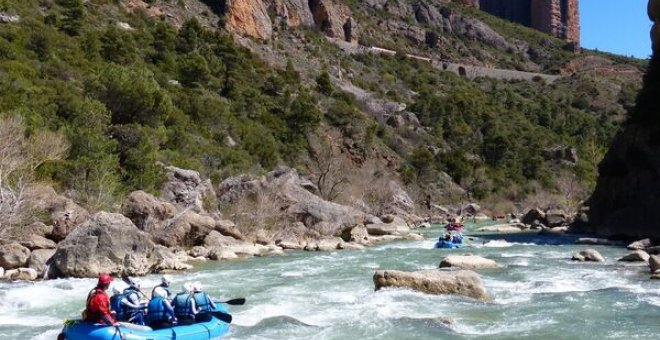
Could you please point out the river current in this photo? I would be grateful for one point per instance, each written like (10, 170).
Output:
(539, 293)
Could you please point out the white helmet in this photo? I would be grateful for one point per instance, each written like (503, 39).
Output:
(136, 282)
(187, 287)
(166, 279)
(197, 286)
(159, 292)
(118, 288)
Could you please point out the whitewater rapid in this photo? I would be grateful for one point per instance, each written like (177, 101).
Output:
(539, 293)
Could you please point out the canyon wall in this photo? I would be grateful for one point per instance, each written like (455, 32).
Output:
(560, 18)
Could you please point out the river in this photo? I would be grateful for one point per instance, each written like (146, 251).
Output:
(539, 293)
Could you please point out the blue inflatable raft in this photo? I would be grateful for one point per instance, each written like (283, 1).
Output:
(213, 329)
(455, 242)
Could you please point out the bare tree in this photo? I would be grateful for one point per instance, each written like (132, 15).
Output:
(329, 171)
(20, 156)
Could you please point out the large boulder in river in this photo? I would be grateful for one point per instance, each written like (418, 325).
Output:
(588, 255)
(461, 282)
(13, 255)
(107, 243)
(468, 262)
(636, 256)
(654, 263)
(187, 190)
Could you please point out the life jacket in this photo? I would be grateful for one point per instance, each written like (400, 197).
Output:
(183, 306)
(128, 310)
(156, 310)
(203, 302)
(117, 307)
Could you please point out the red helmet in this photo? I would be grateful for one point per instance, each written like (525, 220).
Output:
(104, 279)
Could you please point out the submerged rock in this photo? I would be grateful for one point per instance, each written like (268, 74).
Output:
(598, 241)
(588, 255)
(468, 262)
(461, 282)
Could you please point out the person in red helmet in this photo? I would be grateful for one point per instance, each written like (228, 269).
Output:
(98, 303)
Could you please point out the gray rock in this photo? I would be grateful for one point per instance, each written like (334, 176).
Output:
(461, 282)
(654, 263)
(553, 231)
(640, 245)
(199, 251)
(468, 262)
(34, 241)
(533, 215)
(187, 229)
(588, 255)
(7, 18)
(146, 211)
(107, 243)
(13, 255)
(387, 229)
(187, 190)
(220, 254)
(166, 260)
(228, 228)
(21, 274)
(636, 256)
(215, 239)
(556, 218)
(503, 228)
(38, 260)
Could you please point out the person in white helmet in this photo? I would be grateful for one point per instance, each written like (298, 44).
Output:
(185, 308)
(165, 282)
(160, 313)
(205, 305)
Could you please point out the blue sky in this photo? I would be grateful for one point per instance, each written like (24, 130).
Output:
(617, 26)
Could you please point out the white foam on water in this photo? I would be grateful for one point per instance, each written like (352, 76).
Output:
(292, 274)
(505, 327)
(28, 320)
(521, 262)
(48, 335)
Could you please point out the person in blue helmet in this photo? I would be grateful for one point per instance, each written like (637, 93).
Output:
(133, 303)
(160, 313)
(185, 308)
(204, 303)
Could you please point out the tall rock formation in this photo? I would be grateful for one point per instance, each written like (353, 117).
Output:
(248, 18)
(627, 196)
(560, 18)
(253, 18)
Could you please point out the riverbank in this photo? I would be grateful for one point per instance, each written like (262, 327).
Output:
(539, 292)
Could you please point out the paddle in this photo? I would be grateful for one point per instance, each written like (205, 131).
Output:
(222, 316)
(233, 302)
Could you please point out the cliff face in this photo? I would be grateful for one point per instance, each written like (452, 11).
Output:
(252, 18)
(627, 196)
(560, 18)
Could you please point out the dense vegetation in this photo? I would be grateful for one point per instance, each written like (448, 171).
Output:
(130, 95)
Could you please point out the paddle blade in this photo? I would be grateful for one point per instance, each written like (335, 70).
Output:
(235, 302)
(222, 316)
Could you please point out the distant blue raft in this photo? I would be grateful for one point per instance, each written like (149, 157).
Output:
(213, 329)
(455, 242)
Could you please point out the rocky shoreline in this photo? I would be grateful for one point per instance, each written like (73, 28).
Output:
(185, 225)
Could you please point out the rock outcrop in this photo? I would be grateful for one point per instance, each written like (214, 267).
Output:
(635, 256)
(461, 282)
(627, 193)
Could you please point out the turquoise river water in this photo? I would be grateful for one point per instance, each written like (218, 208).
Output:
(538, 294)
